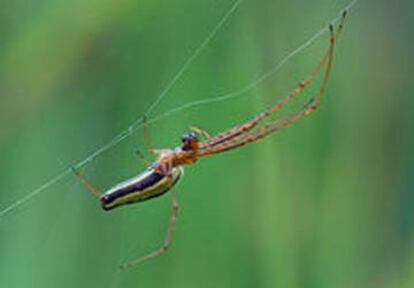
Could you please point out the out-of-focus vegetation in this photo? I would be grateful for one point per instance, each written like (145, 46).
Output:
(327, 203)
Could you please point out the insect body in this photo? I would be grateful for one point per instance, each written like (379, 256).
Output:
(164, 173)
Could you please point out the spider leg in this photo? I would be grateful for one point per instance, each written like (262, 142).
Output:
(248, 126)
(236, 133)
(147, 136)
(241, 130)
(86, 183)
(200, 131)
(143, 157)
(168, 239)
(159, 151)
(263, 131)
(273, 126)
(333, 38)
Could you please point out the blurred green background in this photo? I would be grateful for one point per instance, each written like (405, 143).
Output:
(327, 203)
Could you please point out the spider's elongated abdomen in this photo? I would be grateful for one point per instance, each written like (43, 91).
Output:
(144, 186)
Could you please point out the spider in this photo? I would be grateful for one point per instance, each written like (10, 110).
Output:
(161, 175)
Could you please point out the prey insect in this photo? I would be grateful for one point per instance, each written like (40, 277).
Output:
(161, 175)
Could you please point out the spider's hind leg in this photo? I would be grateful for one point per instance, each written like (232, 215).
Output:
(169, 237)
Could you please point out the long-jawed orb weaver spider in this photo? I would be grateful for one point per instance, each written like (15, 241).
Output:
(164, 173)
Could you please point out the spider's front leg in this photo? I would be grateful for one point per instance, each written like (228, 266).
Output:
(200, 131)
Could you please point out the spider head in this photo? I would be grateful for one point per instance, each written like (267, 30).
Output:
(189, 141)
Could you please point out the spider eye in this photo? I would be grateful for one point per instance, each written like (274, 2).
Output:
(185, 138)
(188, 137)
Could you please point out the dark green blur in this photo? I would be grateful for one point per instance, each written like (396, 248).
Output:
(327, 203)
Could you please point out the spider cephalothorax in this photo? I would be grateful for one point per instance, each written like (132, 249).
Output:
(189, 141)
